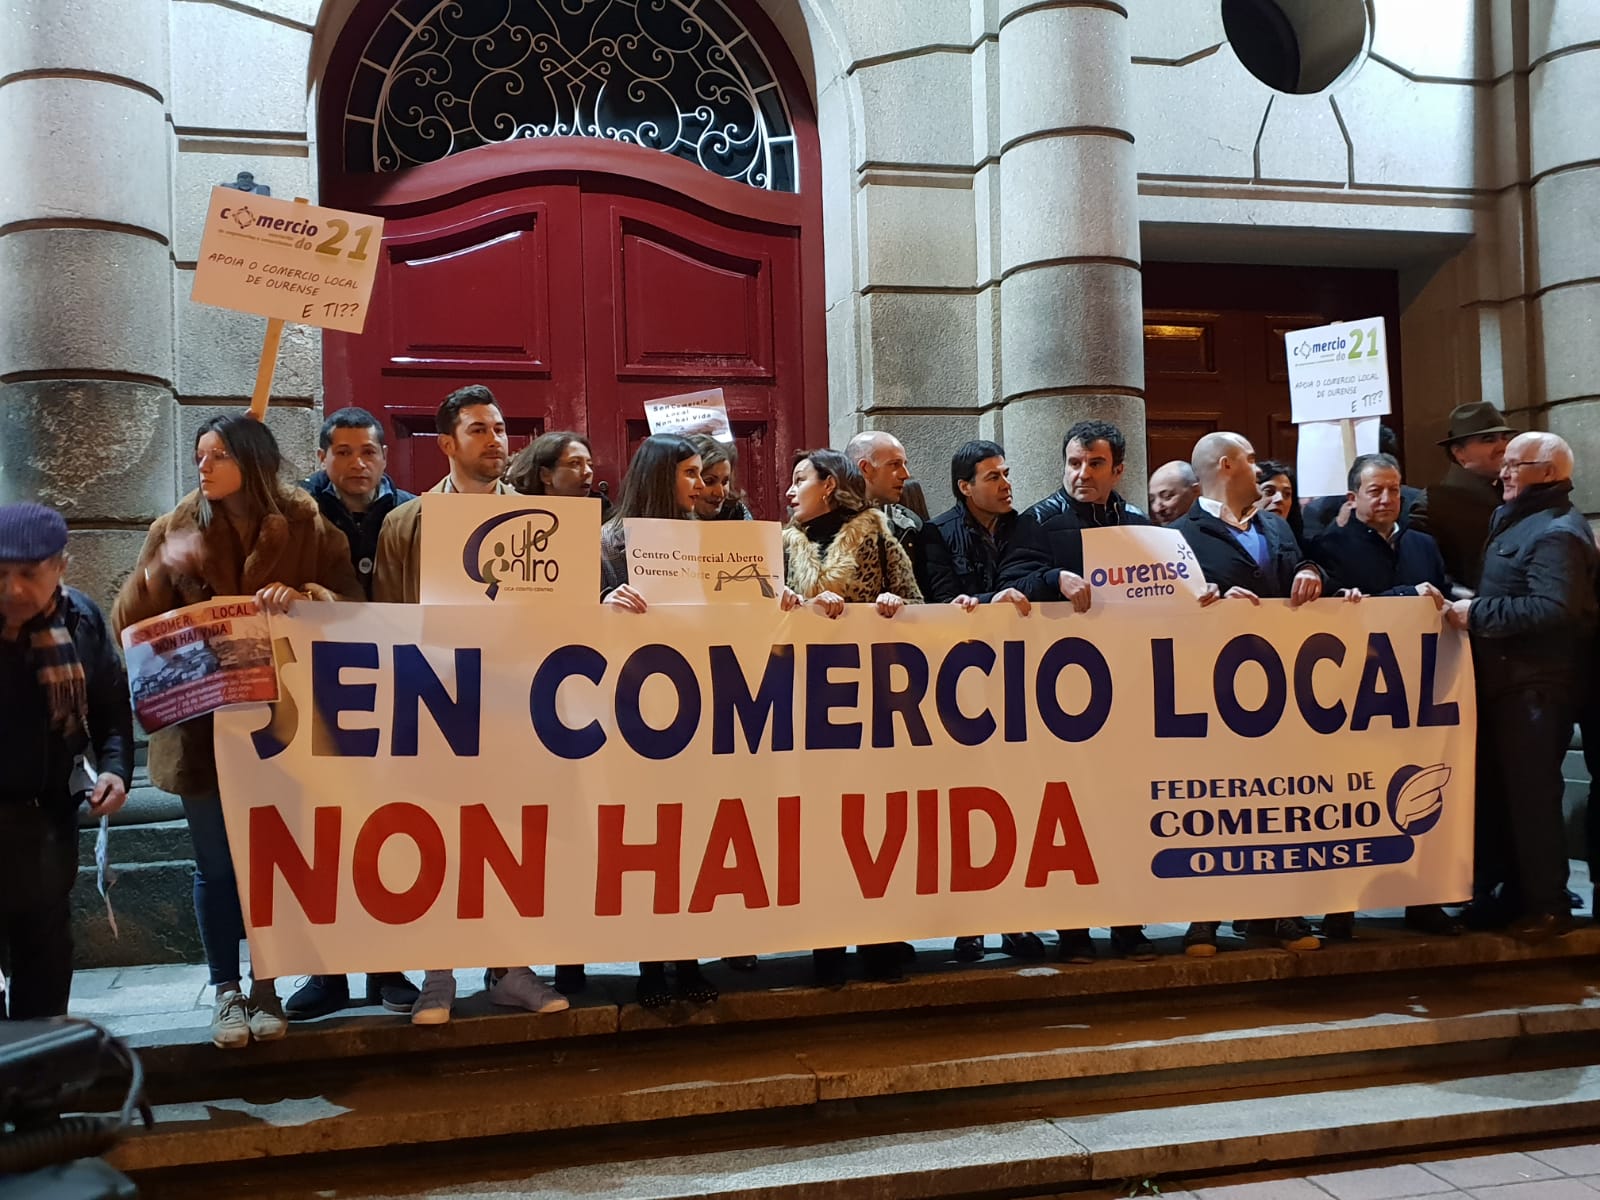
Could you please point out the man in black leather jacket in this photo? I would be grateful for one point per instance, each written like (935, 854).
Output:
(1532, 623)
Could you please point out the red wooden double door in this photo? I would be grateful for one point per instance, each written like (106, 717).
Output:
(575, 302)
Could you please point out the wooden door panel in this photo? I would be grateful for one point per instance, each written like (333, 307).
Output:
(676, 301)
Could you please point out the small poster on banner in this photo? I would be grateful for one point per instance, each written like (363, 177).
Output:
(195, 660)
(1338, 372)
(1141, 566)
(693, 412)
(510, 549)
(705, 562)
(292, 262)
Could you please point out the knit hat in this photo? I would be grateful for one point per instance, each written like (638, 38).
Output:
(31, 533)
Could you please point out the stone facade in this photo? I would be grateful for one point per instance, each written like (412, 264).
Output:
(994, 174)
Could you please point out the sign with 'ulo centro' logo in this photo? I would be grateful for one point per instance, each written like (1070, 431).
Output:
(504, 549)
(292, 262)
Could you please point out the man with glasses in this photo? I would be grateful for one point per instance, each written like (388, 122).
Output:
(1459, 505)
(1531, 624)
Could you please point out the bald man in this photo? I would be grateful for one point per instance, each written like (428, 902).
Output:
(1173, 491)
(881, 459)
(1532, 623)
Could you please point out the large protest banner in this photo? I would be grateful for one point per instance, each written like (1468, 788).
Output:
(465, 786)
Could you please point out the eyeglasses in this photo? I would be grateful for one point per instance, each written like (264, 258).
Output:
(1508, 465)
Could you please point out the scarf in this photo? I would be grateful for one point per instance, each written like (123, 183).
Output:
(56, 666)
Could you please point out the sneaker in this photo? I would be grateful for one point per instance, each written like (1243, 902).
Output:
(1201, 939)
(432, 1006)
(1292, 933)
(392, 990)
(265, 1012)
(1130, 942)
(319, 996)
(521, 988)
(1075, 946)
(230, 1020)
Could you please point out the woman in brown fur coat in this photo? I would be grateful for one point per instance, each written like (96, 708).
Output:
(837, 548)
(241, 533)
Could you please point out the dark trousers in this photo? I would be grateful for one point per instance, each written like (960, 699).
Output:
(38, 864)
(216, 892)
(1523, 735)
(1589, 727)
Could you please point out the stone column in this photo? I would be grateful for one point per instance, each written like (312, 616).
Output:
(86, 346)
(1563, 93)
(1071, 310)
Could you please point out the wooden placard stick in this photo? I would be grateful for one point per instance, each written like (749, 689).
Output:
(268, 365)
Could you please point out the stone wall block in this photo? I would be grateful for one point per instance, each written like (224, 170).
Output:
(918, 110)
(1443, 39)
(1559, 24)
(99, 450)
(227, 71)
(1072, 326)
(92, 151)
(1062, 68)
(1569, 320)
(105, 303)
(922, 350)
(294, 425)
(874, 29)
(1409, 134)
(841, 156)
(1566, 220)
(1563, 97)
(1035, 426)
(285, 169)
(844, 363)
(101, 559)
(52, 35)
(918, 235)
(1301, 142)
(1161, 29)
(1197, 120)
(1579, 423)
(219, 350)
(1070, 196)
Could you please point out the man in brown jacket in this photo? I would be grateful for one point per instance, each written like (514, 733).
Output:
(472, 435)
(1460, 504)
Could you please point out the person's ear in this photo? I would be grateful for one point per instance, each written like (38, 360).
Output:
(447, 445)
(322, 456)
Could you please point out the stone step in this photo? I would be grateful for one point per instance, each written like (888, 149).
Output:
(1044, 1152)
(1086, 1060)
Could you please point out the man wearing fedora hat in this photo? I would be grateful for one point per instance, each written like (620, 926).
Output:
(63, 693)
(1461, 504)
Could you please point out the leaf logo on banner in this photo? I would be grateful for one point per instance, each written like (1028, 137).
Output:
(1416, 797)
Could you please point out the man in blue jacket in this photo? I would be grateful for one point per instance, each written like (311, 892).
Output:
(352, 488)
(63, 694)
(356, 495)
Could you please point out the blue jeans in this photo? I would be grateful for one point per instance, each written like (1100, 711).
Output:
(216, 891)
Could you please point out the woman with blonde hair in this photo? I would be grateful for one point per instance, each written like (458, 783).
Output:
(242, 532)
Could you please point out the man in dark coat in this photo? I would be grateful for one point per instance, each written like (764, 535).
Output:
(1373, 552)
(1045, 562)
(1323, 512)
(1248, 553)
(1243, 549)
(964, 545)
(1045, 559)
(63, 694)
(352, 489)
(1532, 624)
(1461, 504)
(356, 495)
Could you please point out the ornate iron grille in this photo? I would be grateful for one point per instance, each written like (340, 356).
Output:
(680, 76)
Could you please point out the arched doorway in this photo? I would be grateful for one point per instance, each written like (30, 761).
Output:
(588, 204)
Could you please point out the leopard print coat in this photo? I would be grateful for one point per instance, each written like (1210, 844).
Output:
(862, 562)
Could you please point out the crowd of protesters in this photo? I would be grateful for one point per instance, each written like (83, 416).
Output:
(1496, 544)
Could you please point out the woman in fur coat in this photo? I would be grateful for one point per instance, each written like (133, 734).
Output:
(837, 548)
(242, 532)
